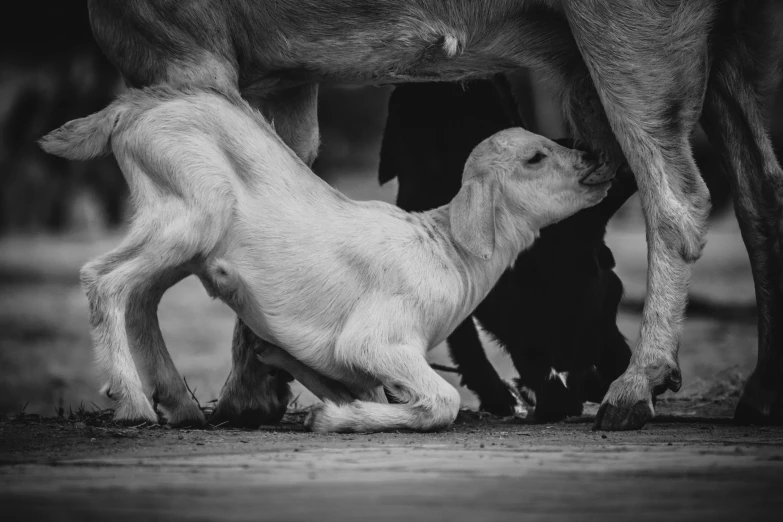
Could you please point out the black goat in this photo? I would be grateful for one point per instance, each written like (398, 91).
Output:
(555, 311)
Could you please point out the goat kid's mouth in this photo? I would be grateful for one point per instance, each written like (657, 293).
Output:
(596, 175)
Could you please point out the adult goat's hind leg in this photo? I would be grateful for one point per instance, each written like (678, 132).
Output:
(734, 121)
(254, 393)
(652, 95)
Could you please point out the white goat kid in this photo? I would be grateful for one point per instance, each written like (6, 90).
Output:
(355, 293)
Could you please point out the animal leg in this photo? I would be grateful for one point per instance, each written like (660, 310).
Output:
(478, 374)
(652, 110)
(426, 401)
(124, 288)
(734, 121)
(324, 388)
(255, 393)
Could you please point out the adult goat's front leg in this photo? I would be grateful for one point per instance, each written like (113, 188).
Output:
(255, 393)
(652, 98)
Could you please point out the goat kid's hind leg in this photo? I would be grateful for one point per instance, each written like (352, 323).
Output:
(426, 401)
(255, 393)
(652, 110)
(124, 288)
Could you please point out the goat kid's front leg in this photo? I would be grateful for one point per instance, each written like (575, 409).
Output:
(426, 402)
(254, 393)
(652, 111)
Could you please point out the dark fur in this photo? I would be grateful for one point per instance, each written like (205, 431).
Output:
(557, 307)
(634, 77)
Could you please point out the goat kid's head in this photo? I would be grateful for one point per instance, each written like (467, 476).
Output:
(527, 178)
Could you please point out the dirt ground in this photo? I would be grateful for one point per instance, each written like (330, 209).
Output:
(690, 464)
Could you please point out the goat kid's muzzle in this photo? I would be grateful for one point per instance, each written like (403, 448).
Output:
(597, 175)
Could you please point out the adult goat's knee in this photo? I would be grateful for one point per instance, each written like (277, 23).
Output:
(683, 227)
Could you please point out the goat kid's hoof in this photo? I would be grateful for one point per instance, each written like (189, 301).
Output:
(615, 418)
(133, 416)
(314, 419)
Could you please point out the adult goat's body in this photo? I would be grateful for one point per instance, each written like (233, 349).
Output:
(641, 71)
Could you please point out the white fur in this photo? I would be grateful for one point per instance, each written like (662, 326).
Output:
(354, 292)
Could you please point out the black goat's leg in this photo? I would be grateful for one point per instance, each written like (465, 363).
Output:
(478, 374)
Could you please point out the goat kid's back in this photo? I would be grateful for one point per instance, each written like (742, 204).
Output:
(188, 151)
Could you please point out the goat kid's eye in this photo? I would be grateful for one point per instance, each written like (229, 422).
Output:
(538, 158)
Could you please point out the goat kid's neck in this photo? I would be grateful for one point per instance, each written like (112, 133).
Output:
(513, 235)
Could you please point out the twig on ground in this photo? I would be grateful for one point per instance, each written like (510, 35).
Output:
(294, 404)
(192, 392)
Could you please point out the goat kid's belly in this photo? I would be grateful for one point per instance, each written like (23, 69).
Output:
(325, 307)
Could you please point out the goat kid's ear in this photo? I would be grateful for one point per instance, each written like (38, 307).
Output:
(472, 216)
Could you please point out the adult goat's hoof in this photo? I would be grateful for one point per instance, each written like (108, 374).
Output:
(759, 406)
(615, 418)
(628, 404)
(250, 405)
(186, 415)
(245, 418)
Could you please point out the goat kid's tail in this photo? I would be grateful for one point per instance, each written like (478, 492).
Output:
(84, 138)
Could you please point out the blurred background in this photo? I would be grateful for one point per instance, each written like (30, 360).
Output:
(55, 215)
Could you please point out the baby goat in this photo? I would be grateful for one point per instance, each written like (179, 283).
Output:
(353, 292)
